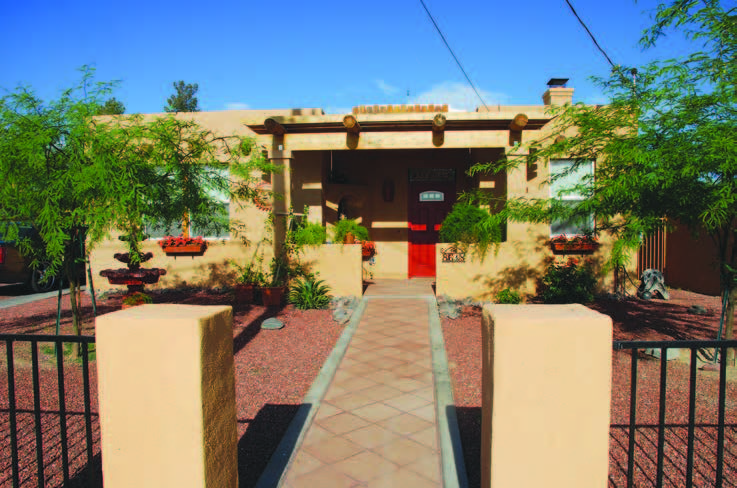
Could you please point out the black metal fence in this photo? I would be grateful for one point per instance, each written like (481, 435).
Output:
(48, 409)
(656, 459)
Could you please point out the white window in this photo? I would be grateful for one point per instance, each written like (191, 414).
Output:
(565, 186)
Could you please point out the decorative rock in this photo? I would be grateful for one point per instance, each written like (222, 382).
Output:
(698, 310)
(272, 324)
(341, 315)
(652, 285)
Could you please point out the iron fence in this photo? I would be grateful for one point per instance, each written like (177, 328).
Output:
(711, 353)
(30, 419)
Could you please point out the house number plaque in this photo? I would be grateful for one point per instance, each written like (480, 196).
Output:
(453, 255)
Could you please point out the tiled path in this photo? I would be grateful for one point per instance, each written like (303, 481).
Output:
(376, 425)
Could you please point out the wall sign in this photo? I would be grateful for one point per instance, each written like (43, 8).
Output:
(432, 196)
(432, 174)
(453, 255)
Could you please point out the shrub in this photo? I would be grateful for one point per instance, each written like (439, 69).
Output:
(311, 234)
(309, 293)
(137, 298)
(469, 224)
(568, 283)
(343, 227)
(508, 296)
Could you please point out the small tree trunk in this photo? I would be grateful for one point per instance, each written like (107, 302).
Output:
(73, 299)
(729, 323)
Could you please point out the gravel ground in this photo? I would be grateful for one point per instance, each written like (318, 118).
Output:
(273, 372)
(633, 319)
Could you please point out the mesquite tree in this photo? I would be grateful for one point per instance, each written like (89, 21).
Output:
(72, 175)
(666, 145)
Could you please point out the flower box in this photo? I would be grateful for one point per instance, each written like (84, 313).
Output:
(183, 246)
(573, 245)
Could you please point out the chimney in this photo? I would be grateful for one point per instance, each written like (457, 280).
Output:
(557, 93)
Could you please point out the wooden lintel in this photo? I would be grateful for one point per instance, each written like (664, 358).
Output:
(274, 127)
(351, 124)
(519, 122)
(438, 123)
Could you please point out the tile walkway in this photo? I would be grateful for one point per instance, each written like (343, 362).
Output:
(377, 425)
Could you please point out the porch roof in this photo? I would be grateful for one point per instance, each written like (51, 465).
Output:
(404, 122)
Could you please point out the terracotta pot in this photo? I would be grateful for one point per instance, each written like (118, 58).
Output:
(244, 293)
(272, 296)
(349, 238)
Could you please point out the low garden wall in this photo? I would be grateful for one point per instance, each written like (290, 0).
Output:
(339, 266)
(518, 265)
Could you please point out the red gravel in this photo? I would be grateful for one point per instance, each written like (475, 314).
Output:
(633, 319)
(273, 372)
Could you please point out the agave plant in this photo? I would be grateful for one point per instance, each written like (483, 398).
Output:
(309, 293)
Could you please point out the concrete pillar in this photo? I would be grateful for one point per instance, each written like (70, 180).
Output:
(167, 397)
(546, 392)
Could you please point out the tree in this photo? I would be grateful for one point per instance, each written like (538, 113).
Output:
(184, 100)
(667, 144)
(112, 106)
(72, 175)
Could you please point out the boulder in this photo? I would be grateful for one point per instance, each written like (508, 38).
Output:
(272, 324)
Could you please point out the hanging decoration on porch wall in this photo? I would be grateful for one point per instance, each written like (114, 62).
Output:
(387, 190)
(453, 255)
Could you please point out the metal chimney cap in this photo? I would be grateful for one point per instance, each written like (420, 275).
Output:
(557, 82)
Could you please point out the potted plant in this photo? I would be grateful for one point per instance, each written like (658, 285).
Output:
(183, 246)
(368, 249)
(272, 293)
(135, 299)
(346, 230)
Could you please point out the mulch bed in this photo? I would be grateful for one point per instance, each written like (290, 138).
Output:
(633, 320)
(274, 369)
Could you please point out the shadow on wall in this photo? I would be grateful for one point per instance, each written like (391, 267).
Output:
(210, 275)
(528, 276)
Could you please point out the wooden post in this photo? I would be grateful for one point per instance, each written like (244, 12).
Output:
(351, 124)
(274, 127)
(519, 122)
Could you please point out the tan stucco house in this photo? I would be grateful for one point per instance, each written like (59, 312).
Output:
(398, 169)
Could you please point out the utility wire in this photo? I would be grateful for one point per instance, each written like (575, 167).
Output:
(590, 34)
(453, 54)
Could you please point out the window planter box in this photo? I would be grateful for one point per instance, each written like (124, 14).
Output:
(195, 249)
(573, 246)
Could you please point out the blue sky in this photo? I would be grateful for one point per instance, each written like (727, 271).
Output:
(328, 54)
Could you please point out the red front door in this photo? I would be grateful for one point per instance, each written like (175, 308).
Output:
(429, 203)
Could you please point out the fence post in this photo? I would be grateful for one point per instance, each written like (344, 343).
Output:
(167, 397)
(546, 392)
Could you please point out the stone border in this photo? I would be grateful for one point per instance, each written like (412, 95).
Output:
(281, 459)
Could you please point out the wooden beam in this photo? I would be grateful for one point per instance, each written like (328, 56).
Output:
(519, 122)
(438, 123)
(560, 138)
(351, 124)
(274, 127)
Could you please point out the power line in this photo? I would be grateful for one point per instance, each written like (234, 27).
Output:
(590, 34)
(453, 54)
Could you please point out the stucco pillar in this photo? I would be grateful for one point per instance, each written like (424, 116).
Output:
(281, 184)
(517, 187)
(167, 397)
(546, 391)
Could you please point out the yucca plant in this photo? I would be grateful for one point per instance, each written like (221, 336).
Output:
(309, 293)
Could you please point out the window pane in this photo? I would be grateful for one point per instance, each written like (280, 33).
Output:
(569, 180)
(582, 225)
